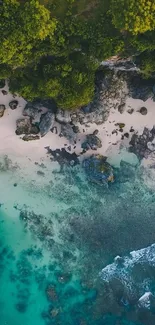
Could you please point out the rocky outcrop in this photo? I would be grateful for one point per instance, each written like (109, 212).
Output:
(2, 110)
(46, 123)
(143, 145)
(32, 110)
(24, 126)
(30, 137)
(36, 108)
(76, 128)
(140, 88)
(111, 92)
(98, 170)
(91, 142)
(63, 116)
(13, 104)
(68, 133)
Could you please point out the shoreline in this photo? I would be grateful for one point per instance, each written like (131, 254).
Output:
(13, 146)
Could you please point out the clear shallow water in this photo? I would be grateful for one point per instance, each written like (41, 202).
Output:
(58, 233)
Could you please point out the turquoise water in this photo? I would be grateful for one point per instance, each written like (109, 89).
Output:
(55, 238)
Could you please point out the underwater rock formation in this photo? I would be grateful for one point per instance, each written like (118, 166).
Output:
(147, 301)
(98, 170)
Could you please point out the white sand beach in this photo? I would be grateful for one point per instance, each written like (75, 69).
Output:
(19, 150)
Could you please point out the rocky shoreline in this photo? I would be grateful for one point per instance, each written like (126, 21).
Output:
(120, 116)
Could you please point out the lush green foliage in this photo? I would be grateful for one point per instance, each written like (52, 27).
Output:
(22, 27)
(51, 48)
(136, 16)
(146, 62)
(70, 83)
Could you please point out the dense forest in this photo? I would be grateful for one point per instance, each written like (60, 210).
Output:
(52, 48)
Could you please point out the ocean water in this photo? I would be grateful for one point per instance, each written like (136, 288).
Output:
(59, 236)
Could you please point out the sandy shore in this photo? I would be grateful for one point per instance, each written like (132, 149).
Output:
(19, 150)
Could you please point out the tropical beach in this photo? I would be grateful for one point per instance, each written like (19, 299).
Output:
(77, 162)
(54, 236)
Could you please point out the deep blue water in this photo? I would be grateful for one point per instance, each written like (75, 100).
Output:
(52, 254)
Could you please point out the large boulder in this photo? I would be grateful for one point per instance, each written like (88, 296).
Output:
(2, 110)
(46, 123)
(63, 116)
(68, 133)
(32, 111)
(38, 107)
(140, 88)
(92, 142)
(98, 170)
(24, 126)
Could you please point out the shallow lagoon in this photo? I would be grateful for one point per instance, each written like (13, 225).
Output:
(58, 231)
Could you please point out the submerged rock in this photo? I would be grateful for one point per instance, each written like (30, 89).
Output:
(51, 292)
(2, 110)
(92, 142)
(63, 116)
(98, 170)
(63, 157)
(46, 123)
(147, 301)
(126, 172)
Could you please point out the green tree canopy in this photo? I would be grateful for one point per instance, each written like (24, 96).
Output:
(22, 26)
(70, 81)
(135, 16)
